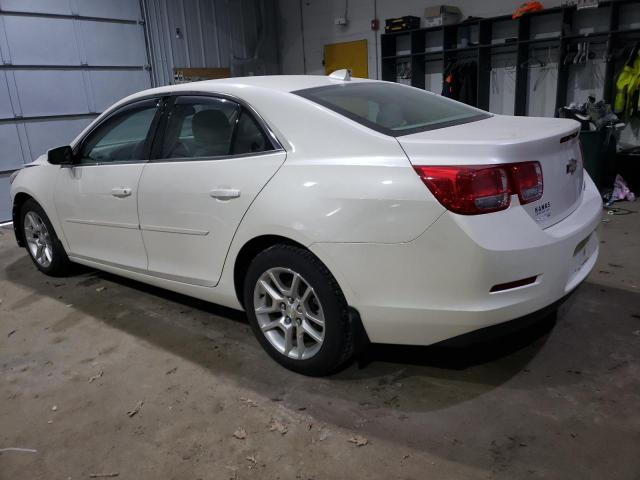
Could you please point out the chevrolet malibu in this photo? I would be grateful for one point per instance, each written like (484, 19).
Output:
(330, 209)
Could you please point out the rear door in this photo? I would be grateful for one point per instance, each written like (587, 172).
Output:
(97, 198)
(211, 159)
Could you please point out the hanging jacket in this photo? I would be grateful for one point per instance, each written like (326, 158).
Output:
(627, 98)
(633, 94)
(460, 83)
(622, 88)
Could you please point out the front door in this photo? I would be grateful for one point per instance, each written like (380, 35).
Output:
(97, 198)
(212, 158)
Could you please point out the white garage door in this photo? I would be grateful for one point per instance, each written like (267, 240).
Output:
(63, 62)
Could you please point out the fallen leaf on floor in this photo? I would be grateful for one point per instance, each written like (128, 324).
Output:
(359, 440)
(240, 434)
(234, 472)
(252, 459)
(96, 376)
(276, 426)
(249, 402)
(11, 333)
(324, 434)
(136, 409)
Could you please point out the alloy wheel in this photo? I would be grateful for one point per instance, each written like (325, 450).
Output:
(289, 313)
(38, 239)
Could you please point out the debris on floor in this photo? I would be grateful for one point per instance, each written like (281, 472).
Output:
(16, 449)
(104, 475)
(100, 289)
(324, 434)
(249, 402)
(359, 440)
(135, 409)
(240, 434)
(276, 426)
(234, 472)
(96, 376)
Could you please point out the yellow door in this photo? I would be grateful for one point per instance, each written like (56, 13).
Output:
(351, 55)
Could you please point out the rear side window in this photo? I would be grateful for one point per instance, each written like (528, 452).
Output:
(199, 127)
(249, 137)
(391, 108)
(205, 127)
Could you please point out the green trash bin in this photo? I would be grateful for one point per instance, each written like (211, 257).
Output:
(599, 149)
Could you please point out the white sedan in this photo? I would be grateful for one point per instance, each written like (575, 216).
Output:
(332, 210)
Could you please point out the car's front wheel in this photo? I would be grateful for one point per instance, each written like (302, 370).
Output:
(297, 310)
(43, 245)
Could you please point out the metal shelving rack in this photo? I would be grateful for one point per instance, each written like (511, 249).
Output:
(610, 33)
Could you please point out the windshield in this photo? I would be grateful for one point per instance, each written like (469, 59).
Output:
(391, 108)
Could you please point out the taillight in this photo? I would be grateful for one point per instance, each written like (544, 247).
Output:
(472, 190)
(527, 180)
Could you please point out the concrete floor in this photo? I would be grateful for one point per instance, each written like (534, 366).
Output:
(556, 401)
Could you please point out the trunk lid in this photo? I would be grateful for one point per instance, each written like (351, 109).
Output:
(503, 139)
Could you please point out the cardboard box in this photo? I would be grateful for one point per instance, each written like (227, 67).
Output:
(442, 15)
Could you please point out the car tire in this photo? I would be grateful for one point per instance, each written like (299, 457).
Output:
(42, 243)
(322, 347)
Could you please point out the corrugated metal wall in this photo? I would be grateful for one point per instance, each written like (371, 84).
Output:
(237, 34)
(63, 62)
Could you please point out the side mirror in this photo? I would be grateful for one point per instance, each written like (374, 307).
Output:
(60, 156)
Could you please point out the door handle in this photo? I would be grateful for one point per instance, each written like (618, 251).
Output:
(121, 192)
(224, 193)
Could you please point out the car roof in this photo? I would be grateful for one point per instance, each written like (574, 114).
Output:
(283, 83)
(274, 83)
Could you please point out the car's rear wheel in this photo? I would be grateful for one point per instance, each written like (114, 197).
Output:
(43, 245)
(297, 310)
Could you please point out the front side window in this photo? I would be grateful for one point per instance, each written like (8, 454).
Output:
(391, 108)
(122, 137)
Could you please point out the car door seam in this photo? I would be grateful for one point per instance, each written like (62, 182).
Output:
(226, 257)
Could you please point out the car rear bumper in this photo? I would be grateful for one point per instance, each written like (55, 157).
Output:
(439, 285)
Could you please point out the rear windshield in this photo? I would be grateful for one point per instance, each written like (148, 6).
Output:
(391, 108)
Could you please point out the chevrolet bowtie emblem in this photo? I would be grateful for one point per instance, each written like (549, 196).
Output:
(572, 166)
